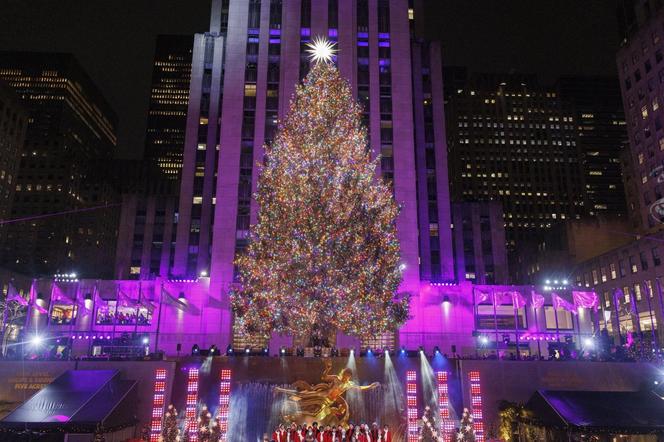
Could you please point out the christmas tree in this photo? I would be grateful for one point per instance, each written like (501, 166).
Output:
(170, 431)
(215, 430)
(466, 431)
(429, 431)
(204, 432)
(325, 250)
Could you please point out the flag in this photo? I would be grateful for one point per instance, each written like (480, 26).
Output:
(518, 301)
(34, 302)
(585, 299)
(560, 303)
(499, 297)
(17, 298)
(483, 297)
(537, 299)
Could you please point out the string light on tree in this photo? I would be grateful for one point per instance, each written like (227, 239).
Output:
(466, 431)
(324, 251)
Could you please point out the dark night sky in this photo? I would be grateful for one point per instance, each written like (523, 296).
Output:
(114, 40)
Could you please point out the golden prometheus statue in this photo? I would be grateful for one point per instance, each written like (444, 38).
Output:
(324, 402)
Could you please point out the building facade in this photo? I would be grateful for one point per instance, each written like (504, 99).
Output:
(13, 124)
(628, 281)
(556, 256)
(244, 71)
(480, 253)
(513, 141)
(169, 98)
(641, 71)
(230, 119)
(64, 197)
(601, 134)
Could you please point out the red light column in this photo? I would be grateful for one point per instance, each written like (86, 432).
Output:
(224, 403)
(192, 400)
(446, 423)
(411, 404)
(158, 404)
(476, 405)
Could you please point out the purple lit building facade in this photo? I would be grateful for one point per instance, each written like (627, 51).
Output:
(233, 112)
(244, 71)
(263, 59)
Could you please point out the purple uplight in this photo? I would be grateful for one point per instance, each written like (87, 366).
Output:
(275, 31)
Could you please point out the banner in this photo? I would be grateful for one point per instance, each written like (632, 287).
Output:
(585, 299)
(518, 301)
(536, 299)
(560, 303)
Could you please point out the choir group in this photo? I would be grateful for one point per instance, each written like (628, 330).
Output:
(351, 433)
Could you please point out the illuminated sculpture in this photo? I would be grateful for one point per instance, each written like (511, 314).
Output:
(324, 402)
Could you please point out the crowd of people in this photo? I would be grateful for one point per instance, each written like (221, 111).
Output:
(316, 433)
(121, 318)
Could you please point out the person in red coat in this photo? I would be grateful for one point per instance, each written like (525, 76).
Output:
(327, 434)
(386, 435)
(279, 434)
(364, 434)
(295, 434)
(375, 432)
(339, 435)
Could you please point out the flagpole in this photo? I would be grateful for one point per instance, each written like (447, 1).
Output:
(652, 322)
(138, 306)
(615, 306)
(659, 296)
(71, 326)
(635, 312)
(516, 326)
(555, 314)
(161, 301)
(495, 320)
(539, 348)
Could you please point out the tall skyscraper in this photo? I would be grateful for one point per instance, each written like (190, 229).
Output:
(514, 141)
(169, 97)
(601, 134)
(13, 124)
(641, 70)
(233, 111)
(63, 195)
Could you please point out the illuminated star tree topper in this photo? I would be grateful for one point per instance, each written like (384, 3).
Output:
(321, 49)
(324, 254)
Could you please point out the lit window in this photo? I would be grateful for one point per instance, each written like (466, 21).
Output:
(134, 270)
(411, 14)
(198, 200)
(249, 90)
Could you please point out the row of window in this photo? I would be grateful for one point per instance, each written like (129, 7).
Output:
(602, 274)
